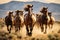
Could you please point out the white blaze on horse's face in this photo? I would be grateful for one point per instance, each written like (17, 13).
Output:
(30, 10)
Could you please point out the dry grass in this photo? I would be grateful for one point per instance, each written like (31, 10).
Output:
(52, 34)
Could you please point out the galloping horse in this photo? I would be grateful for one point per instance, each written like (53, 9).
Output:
(22, 18)
(38, 19)
(18, 20)
(29, 19)
(8, 21)
(52, 20)
(44, 19)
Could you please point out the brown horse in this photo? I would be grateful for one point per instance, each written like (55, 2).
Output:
(8, 21)
(52, 20)
(22, 18)
(38, 19)
(44, 19)
(18, 20)
(29, 19)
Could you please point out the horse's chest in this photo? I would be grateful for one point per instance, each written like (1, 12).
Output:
(44, 18)
(29, 18)
(9, 19)
(18, 20)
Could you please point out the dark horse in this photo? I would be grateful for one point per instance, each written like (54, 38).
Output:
(17, 20)
(8, 21)
(28, 20)
(44, 19)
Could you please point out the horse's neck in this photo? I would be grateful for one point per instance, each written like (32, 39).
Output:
(29, 15)
(10, 17)
(30, 11)
(50, 17)
(17, 17)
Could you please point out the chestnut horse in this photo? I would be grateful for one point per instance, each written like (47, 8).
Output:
(29, 19)
(18, 21)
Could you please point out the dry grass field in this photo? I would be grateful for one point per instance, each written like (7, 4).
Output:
(52, 34)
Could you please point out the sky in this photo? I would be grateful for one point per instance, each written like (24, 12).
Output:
(46, 1)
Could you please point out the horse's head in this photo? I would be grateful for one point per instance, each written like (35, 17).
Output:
(29, 6)
(18, 12)
(50, 14)
(44, 10)
(21, 12)
(10, 13)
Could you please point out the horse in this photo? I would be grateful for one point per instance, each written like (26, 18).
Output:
(52, 20)
(8, 21)
(18, 20)
(38, 19)
(29, 19)
(22, 18)
(44, 19)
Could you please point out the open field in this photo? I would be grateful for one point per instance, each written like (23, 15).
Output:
(52, 34)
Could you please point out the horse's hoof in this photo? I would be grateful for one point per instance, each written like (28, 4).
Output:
(41, 30)
(9, 31)
(16, 30)
(20, 37)
(30, 34)
(33, 39)
(44, 32)
(27, 33)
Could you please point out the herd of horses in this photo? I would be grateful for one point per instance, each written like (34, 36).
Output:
(29, 19)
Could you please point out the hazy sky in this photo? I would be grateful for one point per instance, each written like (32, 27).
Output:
(47, 1)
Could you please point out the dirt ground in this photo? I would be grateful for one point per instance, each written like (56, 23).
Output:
(52, 34)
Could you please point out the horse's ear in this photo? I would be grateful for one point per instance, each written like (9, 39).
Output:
(32, 5)
(26, 9)
(41, 11)
(47, 7)
(51, 12)
(12, 12)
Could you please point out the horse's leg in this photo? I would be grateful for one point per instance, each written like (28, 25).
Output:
(31, 28)
(19, 28)
(51, 26)
(16, 28)
(40, 25)
(8, 27)
(27, 29)
(45, 29)
(42, 28)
